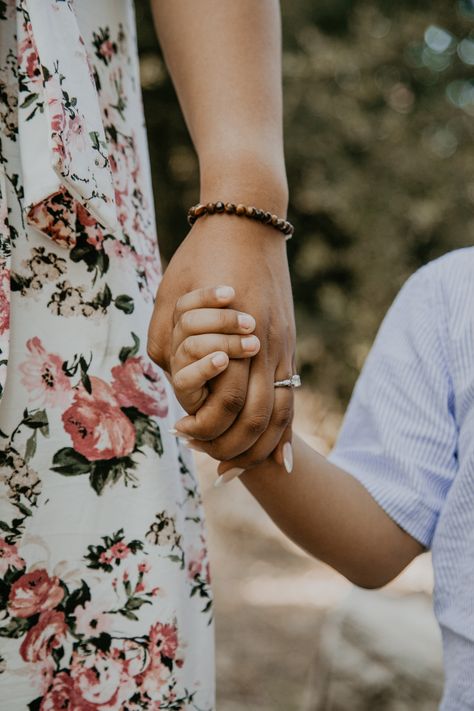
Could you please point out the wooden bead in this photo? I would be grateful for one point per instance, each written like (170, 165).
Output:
(199, 210)
(230, 208)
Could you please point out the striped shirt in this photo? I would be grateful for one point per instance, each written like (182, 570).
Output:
(408, 437)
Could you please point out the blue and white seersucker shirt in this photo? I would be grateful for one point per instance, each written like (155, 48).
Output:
(408, 437)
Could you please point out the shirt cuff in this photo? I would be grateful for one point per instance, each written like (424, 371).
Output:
(401, 503)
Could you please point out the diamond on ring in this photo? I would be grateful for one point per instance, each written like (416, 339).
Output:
(293, 382)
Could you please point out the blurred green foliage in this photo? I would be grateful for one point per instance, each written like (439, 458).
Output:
(379, 107)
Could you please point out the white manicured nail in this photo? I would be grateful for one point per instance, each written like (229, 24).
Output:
(228, 476)
(174, 432)
(224, 292)
(288, 457)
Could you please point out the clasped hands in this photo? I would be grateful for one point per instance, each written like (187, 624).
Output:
(222, 356)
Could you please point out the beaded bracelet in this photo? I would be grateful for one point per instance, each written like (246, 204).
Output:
(229, 208)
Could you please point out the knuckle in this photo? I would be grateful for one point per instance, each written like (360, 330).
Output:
(177, 381)
(187, 322)
(222, 318)
(233, 401)
(189, 346)
(256, 423)
(217, 451)
(282, 416)
(179, 305)
(154, 352)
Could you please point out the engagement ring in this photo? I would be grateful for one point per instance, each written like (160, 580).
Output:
(293, 382)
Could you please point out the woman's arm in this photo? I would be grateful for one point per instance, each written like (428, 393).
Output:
(224, 58)
(333, 517)
(225, 61)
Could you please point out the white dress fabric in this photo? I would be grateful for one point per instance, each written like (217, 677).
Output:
(105, 600)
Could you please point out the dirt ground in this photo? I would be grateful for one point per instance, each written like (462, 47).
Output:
(270, 598)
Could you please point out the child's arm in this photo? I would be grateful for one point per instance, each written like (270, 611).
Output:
(320, 507)
(333, 517)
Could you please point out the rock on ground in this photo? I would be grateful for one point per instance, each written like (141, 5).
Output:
(378, 652)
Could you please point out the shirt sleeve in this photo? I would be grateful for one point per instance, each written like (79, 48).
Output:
(399, 435)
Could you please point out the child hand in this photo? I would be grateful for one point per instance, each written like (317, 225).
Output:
(207, 332)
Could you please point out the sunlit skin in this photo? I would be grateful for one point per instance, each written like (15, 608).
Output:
(225, 62)
(319, 506)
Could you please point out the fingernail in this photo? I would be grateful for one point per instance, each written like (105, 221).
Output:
(228, 476)
(219, 360)
(250, 343)
(288, 457)
(224, 292)
(246, 321)
(174, 432)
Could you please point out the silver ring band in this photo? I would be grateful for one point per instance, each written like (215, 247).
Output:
(293, 382)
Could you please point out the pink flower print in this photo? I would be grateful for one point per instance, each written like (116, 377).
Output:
(59, 118)
(96, 424)
(105, 557)
(91, 227)
(48, 634)
(163, 640)
(118, 250)
(42, 674)
(144, 567)
(74, 135)
(195, 563)
(102, 680)
(119, 550)
(90, 622)
(34, 592)
(106, 49)
(135, 655)
(43, 376)
(139, 384)
(4, 300)
(28, 56)
(62, 695)
(9, 557)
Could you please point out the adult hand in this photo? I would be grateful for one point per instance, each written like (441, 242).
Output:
(244, 418)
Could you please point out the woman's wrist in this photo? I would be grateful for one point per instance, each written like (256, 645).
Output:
(252, 178)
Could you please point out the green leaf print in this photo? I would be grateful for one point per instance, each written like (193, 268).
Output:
(109, 471)
(130, 351)
(124, 303)
(37, 420)
(76, 598)
(68, 462)
(28, 101)
(147, 430)
(31, 446)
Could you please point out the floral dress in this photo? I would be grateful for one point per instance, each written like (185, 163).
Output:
(104, 585)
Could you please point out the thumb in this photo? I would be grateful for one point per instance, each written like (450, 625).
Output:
(159, 334)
